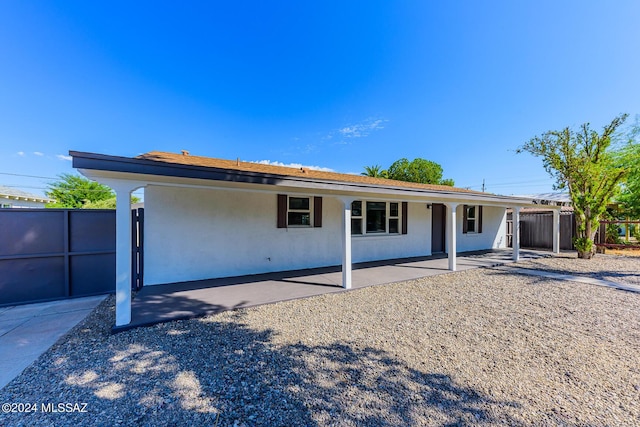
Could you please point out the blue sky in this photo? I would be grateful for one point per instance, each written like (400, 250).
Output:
(340, 85)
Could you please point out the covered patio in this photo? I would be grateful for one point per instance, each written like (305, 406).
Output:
(176, 301)
(227, 219)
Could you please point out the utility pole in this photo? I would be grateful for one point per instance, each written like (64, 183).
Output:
(483, 185)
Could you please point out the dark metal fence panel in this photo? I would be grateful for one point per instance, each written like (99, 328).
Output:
(92, 230)
(48, 254)
(92, 274)
(92, 246)
(31, 231)
(536, 230)
(567, 231)
(32, 255)
(31, 279)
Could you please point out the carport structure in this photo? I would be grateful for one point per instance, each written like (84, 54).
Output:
(210, 218)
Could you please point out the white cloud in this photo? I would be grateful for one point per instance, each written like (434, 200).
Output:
(63, 157)
(20, 153)
(363, 128)
(293, 165)
(37, 153)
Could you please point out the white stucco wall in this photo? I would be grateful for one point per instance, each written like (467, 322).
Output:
(193, 234)
(493, 234)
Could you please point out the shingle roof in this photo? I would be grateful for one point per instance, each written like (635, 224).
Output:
(237, 165)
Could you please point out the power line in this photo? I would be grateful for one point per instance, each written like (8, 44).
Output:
(507, 184)
(26, 176)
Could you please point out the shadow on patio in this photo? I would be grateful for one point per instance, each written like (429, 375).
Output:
(161, 303)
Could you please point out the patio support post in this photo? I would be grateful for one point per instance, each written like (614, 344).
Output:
(451, 234)
(346, 242)
(123, 251)
(556, 231)
(516, 233)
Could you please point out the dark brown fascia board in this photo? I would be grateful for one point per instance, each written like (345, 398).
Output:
(82, 160)
(104, 162)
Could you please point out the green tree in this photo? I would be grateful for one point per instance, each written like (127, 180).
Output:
(101, 204)
(74, 191)
(106, 203)
(583, 162)
(629, 157)
(418, 170)
(375, 171)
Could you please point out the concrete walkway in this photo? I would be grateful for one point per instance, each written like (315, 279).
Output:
(163, 303)
(572, 278)
(27, 331)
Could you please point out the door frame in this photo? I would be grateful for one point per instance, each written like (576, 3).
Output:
(443, 227)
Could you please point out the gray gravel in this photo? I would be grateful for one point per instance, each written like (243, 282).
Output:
(480, 347)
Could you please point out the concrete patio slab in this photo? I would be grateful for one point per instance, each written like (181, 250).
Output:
(162, 303)
(27, 331)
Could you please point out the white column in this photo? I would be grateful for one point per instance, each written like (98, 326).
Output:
(452, 227)
(123, 253)
(346, 242)
(556, 231)
(516, 233)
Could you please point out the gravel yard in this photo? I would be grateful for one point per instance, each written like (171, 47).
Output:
(480, 347)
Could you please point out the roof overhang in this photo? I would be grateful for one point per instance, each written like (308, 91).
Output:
(105, 168)
(25, 198)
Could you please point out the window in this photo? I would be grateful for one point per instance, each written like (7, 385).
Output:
(393, 218)
(472, 219)
(377, 217)
(356, 217)
(299, 212)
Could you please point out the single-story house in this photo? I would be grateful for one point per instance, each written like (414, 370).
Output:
(13, 198)
(210, 218)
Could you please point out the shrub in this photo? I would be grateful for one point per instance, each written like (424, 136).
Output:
(613, 234)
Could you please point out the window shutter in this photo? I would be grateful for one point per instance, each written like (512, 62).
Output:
(465, 226)
(405, 217)
(479, 219)
(317, 211)
(282, 211)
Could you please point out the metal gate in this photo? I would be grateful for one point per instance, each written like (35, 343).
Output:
(137, 248)
(49, 254)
